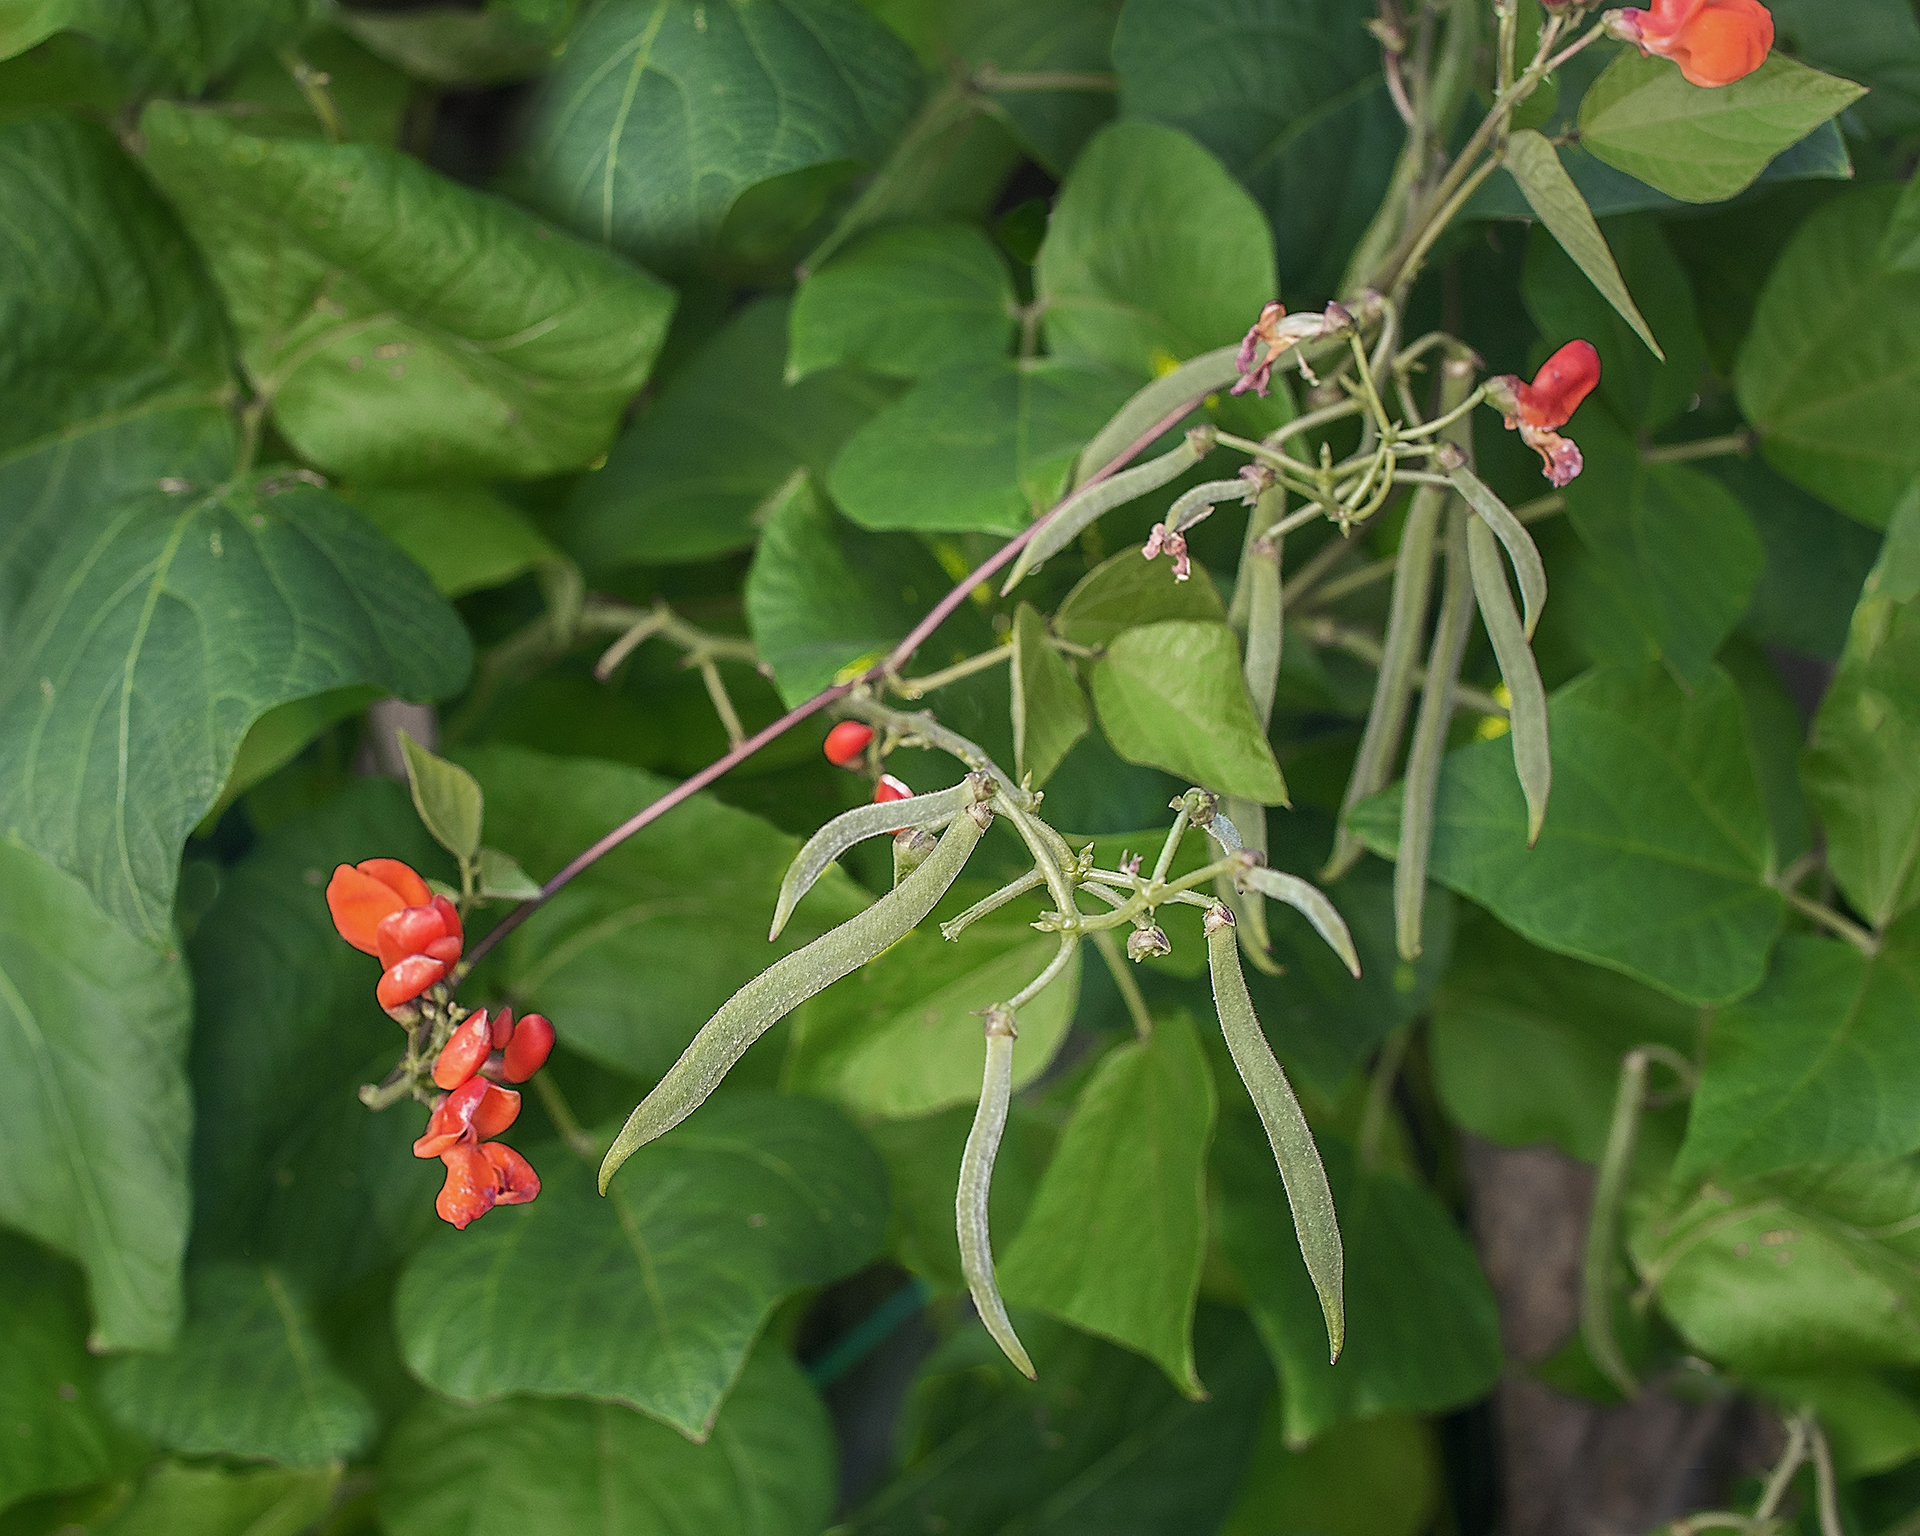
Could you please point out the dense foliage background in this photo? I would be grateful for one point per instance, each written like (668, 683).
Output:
(357, 356)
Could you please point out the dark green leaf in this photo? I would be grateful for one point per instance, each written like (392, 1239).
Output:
(1828, 371)
(1049, 710)
(402, 326)
(1171, 695)
(1102, 1446)
(463, 536)
(905, 302)
(1876, 42)
(249, 1377)
(1873, 1424)
(1373, 1477)
(179, 1499)
(1656, 849)
(528, 1466)
(662, 112)
(608, 959)
(1703, 145)
(708, 462)
(1816, 560)
(158, 632)
(984, 448)
(1126, 590)
(652, 1296)
(1154, 254)
(166, 44)
(1073, 37)
(93, 1092)
(1407, 1263)
(1128, 1182)
(1289, 95)
(447, 45)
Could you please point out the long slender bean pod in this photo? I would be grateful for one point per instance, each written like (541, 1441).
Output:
(1301, 1170)
(1532, 757)
(1265, 636)
(855, 826)
(1603, 1225)
(1197, 376)
(1528, 568)
(1311, 903)
(788, 983)
(976, 1186)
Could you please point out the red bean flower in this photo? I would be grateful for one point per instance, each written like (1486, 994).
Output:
(846, 741)
(1715, 42)
(361, 895)
(1535, 409)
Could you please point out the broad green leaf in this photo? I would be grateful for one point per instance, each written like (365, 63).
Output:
(1862, 766)
(1066, 37)
(520, 1466)
(1101, 1446)
(823, 595)
(1115, 1237)
(249, 1378)
(652, 1296)
(404, 327)
(1503, 1002)
(1049, 710)
(1829, 368)
(708, 462)
(1876, 42)
(168, 45)
(1776, 735)
(1872, 1424)
(1372, 1477)
(158, 632)
(1154, 254)
(368, 95)
(108, 387)
(53, 1431)
(185, 1499)
(1814, 1272)
(1702, 145)
(1655, 854)
(608, 959)
(981, 449)
(290, 1169)
(279, 736)
(450, 804)
(662, 113)
(1171, 695)
(1289, 95)
(1557, 202)
(463, 536)
(1671, 548)
(93, 1093)
(1821, 1065)
(448, 45)
(906, 302)
(1816, 561)
(1124, 591)
(901, 1035)
(1408, 1263)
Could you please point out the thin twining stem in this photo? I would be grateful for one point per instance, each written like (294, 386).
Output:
(1741, 442)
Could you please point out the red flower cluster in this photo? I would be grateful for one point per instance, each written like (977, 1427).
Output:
(481, 1173)
(382, 907)
(1715, 42)
(1564, 380)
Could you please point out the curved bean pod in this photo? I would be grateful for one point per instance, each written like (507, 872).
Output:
(786, 984)
(976, 1183)
(1193, 379)
(1310, 902)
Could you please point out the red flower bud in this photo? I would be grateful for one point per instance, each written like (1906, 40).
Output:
(464, 1054)
(502, 1028)
(499, 1108)
(846, 741)
(528, 1051)
(890, 788)
(515, 1182)
(1715, 42)
(359, 896)
(432, 930)
(407, 980)
(452, 1118)
(1535, 409)
(472, 1185)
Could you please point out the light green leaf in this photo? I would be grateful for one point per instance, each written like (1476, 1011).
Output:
(1128, 1182)
(607, 958)
(404, 327)
(249, 1377)
(1372, 1477)
(662, 113)
(906, 302)
(1171, 695)
(652, 1296)
(1816, 1272)
(463, 536)
(1124, 591)
(1407, 1263)
(1102, 1445)
(450, 804)
(1873, 1425)
(1049, 710)
(93, 1092)
(180, 1499)
(706, 464)
(1821, 1065)
(1551, 194)
(1656, 849)
(981, 449)
(1829, 369)
(506, 1469)
(501, 876)
(1703, 145)
(160, 630)
(1153, 254)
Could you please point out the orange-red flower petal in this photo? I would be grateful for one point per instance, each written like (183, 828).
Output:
(1715, 42)
(515, 1182)
(407, 980)
(465, 1052)
(472, 1185)
(452, 1119)
(361, 897)
(498, 1109)
(527, 1052)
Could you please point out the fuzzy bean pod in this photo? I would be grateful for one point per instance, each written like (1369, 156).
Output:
(1193, 379)
(1528, 568)
(1532, 756)
(976, 1184)
(1310, 902)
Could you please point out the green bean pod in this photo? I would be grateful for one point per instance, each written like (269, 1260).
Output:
(976, 1184)
(1527, 713)
(1301, 1171)
(1310, 902)
(1528, 568)
(855, 826)
(1153, 403)
(789, 982)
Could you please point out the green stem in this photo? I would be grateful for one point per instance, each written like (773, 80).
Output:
(560, 1112)
(1603, 1226)
(1122, 972)
(1741, 442)
(1373, 1119)
(920, 687)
